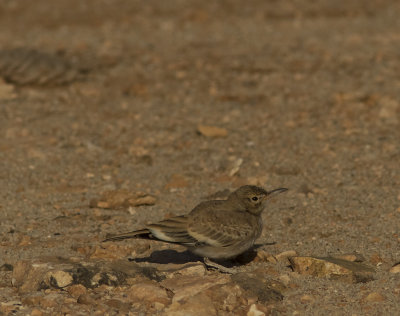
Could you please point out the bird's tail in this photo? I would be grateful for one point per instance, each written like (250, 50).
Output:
(142, 233)
(172, 230)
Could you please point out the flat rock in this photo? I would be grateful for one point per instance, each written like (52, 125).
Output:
(148, 291)
(186, 285)
(197, 305)
(30, 276)
(264, 289)
(333, 268)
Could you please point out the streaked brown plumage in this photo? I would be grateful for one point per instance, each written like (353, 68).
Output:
(213, 229)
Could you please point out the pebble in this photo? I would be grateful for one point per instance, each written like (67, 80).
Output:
(122, 198)
(59, 278)
(7, 91)
(395, 268)
(374, 297)
(306, 298)
(254, 311)
(211, 131)
(76, 290)
(36, 312)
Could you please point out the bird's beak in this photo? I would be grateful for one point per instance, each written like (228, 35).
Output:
(275, 192)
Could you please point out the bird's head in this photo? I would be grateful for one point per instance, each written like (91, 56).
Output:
(252, 198)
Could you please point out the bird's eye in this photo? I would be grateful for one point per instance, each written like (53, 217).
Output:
(254, 198)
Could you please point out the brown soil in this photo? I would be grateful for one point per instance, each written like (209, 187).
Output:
(307, 96)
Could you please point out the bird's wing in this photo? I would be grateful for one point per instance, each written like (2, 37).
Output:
(209, 223)
(216, 226)
(173, 230)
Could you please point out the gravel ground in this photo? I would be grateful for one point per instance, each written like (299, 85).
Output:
(306, 95)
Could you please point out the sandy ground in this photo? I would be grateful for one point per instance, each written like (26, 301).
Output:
(308, 93)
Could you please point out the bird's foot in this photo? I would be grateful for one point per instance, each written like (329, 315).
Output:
(219, 267)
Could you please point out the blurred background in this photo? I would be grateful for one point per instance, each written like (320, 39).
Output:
(183, 99)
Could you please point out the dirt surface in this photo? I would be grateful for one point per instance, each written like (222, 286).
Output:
(306, 95)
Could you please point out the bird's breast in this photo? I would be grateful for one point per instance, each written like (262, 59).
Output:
(259, 226)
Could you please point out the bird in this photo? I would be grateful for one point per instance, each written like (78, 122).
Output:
(215, 230)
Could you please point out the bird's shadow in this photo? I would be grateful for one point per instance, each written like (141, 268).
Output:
(172, 256)
(168, 256)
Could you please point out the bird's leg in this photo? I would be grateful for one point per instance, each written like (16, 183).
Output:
(209, 263)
